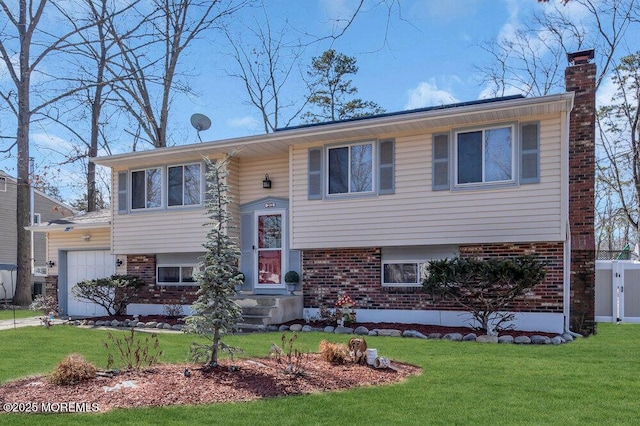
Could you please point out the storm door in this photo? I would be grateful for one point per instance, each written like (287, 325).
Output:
(270, 250)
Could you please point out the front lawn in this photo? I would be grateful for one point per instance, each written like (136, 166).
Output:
(7, 313)
(590, 381)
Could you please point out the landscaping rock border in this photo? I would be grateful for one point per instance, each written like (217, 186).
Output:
(360, 330)
(455, 337)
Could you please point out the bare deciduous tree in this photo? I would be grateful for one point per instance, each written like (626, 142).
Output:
(149, 57)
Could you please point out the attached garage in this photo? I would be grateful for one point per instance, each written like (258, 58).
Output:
(86, 265)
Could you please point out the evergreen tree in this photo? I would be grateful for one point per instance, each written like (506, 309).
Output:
(215, 314)
(330, 90)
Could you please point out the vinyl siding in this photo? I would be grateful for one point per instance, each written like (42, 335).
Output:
(73, 240)
(252, 174)
(416, 215)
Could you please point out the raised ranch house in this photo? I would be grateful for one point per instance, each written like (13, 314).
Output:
(358, 206)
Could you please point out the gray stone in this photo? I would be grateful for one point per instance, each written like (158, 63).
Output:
(272, 327)
(160, 325)
(343, 330)
(487, 339)
(152, 324)
(567, 337)
(434, 336)
(283, 328)
(361, 331)
(329, 329)
(133, 323)
(307, 328)
(177, 327)
(166, 326)
(455, 337)
(141, 325)
(505, 339)
(413, 333)
(471, 337)
(540, 340)
(389, 332)
(115, 323)
(99, 323)
(558, 340)
(91, 322)
(295, 327)
(373, 332)
(522, 340)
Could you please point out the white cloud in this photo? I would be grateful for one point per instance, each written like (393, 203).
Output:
(606, 91)
(53, 142)
(426, 93)
(246, 122)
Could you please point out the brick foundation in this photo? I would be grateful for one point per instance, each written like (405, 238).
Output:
(144, 266)
(358, 273)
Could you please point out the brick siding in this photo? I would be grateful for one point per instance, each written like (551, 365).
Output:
(144, 266)
(358, 272)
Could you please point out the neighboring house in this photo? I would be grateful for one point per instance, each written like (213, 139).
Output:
(359, 206)
(45, 209)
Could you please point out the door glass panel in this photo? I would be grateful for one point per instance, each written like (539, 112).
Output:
(269, 267)
(270, 249)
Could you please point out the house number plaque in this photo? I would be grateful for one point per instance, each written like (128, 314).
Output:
(269, 205)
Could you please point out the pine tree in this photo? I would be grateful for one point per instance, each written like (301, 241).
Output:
(215, 314)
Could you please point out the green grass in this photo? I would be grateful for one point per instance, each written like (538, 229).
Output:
(7, 314)
(590, 381)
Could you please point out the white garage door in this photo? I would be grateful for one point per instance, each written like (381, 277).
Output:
(87, 265)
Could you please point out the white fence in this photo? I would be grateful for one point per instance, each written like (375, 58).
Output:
(617, 291)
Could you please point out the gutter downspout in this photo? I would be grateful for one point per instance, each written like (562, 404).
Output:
(566, 297)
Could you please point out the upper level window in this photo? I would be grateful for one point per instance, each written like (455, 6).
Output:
(485, 156)
(353, 169)
(184, 185)
(3, 184)
(350, 169)
(146, 188)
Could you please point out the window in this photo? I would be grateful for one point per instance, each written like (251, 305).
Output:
(350, 169)
(485, 156)
(3, 184)
(184, 185)
(401, 274)
(37, 218)
(354, 169)
(146, 188)
(176, 274)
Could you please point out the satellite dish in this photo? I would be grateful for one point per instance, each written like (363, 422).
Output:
(200, 122)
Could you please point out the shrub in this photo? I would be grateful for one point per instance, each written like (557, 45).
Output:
(72, 370)
(111, 293)
(336, 353)
(486, 288)
(134, 352)
(290, 360)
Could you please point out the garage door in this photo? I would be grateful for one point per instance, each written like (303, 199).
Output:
(87, 265)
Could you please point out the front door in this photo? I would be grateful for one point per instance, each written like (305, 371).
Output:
(270, 250)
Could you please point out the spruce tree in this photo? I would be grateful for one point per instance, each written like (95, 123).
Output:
(215, 314)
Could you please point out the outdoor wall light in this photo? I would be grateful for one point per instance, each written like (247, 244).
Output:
(119, 262)
(51, 264)
(266, 183)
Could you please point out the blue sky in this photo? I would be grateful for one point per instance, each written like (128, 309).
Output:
(422, 53)
(424, 58)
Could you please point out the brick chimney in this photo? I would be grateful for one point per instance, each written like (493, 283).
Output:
(580, 78)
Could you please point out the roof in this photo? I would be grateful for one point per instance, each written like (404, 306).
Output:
(40, 193)
(98, 219)
(405, 112)
(404, 123)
